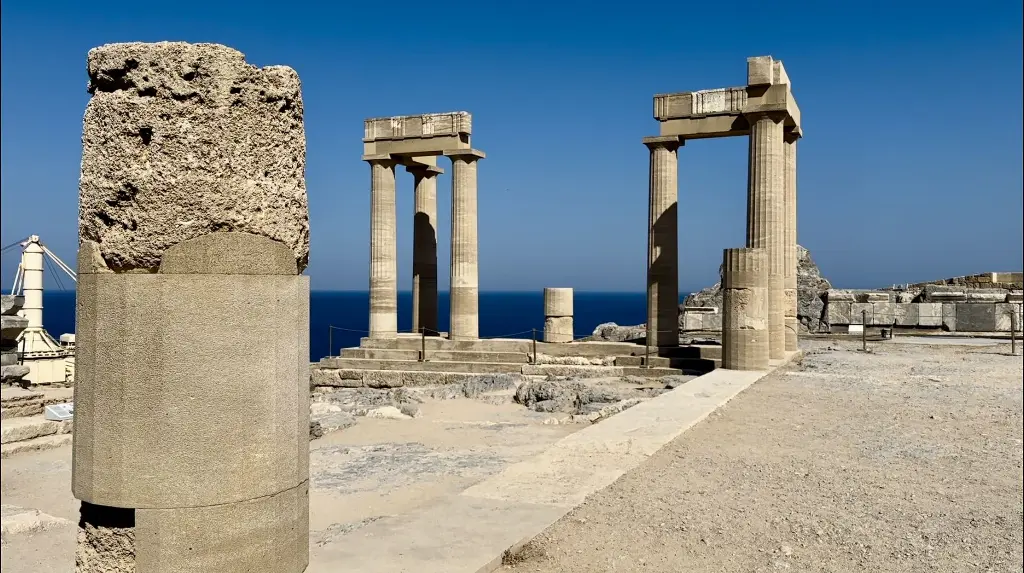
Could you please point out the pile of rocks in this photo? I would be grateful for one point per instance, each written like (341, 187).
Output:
(11, 372)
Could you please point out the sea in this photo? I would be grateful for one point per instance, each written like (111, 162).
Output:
(338, 319)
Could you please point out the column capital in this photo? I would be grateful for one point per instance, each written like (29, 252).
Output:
(778, 116)
(670, 141)
(380, 158)
(419, 169)
(792, 134)
(464, 154)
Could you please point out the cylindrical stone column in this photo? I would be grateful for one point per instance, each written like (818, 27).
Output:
(383, 248)
(745, 309)
(790, 294)
(663, 243)
(464, 323)
(765, 216)
(191, 441)
(424, 253)
(558, 315)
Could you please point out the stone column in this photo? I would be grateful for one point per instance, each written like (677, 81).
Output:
(464, 323)
(191, 441)
(745, 309)
(424, 249)
(789, 272)
(383, 248)
(558, 315)
(663, 242)
(765, 213)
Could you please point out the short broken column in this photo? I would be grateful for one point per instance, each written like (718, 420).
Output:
(558, 315)
(191, 398)
(745, 309)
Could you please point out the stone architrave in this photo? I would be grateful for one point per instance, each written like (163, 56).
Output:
(745, 342)
(663, 243)
(192, 384)
(765, 216)
(558, 313)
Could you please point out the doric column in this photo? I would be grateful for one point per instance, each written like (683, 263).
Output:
(424, 248)
(663, 242)
(744, 309)
(383, 248)
(464, 323)
(789, 272)
(765, 225)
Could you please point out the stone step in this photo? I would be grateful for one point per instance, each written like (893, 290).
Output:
(697, 364)
(19, 402)
(414, 365)
(27, 428)
(35, 444)
(587, 349)
(356, 378)
(436, 355)
(596, 371)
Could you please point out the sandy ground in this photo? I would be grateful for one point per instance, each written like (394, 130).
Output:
(904, 459)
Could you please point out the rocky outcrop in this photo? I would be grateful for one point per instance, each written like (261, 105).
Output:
(811, 287)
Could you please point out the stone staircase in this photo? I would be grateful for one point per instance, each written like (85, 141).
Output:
(23, 427)
(414, 360)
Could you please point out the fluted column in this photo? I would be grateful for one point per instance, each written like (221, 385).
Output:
(383, 248)
(744, 309)
(464, 323)
(424, 251)
(663, 242)
(790, 294)
(765, 216)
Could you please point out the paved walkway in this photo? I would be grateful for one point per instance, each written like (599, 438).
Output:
(907, 458)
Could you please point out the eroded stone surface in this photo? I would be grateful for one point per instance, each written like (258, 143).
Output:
(180, 140)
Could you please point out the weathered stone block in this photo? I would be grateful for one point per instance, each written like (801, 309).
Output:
(942, 293)
(187, 139)
(712, 322)
(949, 316)
(837, 295)
(557, 302)
(840, 312)
(417, 126)
(558, 329)
(975, 317)
(693, 321)
(1004, 318)
(906, 313)
(861, 313)
(985, 295)
(1015, 296)
(929, 313)
(883, 313)
(874, 297)
(760, 71)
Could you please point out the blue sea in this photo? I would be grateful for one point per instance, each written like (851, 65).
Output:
(501, 313)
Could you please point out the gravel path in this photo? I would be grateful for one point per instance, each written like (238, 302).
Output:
(908, 458)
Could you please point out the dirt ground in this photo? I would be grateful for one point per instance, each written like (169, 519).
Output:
(908, 458)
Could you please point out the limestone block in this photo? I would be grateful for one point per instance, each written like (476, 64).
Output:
(1004, 316)
(929, 313)
(942, 293)
(11, 326)
(10, 304)
(1015, 296)
(873, 297)
(760, 71)
(857, 311)
(418, 126)
(211, 400)
(186, 139)
(975, 317)
(840, 312)
(693, 321)
(985, 295)
(557, 302)
(906, 313)
(883, 313)
(712, 322)
(835, 295)
(949, 316)
(745, 321)
(558, 329)
(264, 534)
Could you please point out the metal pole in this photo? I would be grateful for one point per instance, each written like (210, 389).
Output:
(330, 340)
(423, 344)
(1013, 331)
(864, 330)
(534, 345)
(647, 349)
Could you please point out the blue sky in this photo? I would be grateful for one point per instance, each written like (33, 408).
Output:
(910, 168)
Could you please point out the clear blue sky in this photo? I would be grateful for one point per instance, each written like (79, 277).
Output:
(910, 168)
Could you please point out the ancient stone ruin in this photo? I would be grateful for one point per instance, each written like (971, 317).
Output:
(12, 369)
(766, 111)
(192, 397)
